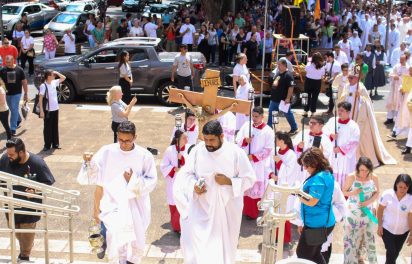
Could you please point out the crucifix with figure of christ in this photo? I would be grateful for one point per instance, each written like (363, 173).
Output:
(204, 105)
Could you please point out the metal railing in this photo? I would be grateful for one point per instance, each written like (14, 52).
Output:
(55, 203)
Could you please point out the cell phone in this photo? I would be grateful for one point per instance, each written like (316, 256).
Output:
(316, 141)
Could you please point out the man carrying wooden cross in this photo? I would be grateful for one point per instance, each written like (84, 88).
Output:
(205, 104)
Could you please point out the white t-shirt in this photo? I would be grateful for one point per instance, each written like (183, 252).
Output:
(53, 104)
(26, 42)
(183, 64)
(69, 45)
(336, 69)
(313, 73)
(136, 32)
(18, 34)
(150, 29)
(239, 70)
(188, 37)
(395, 215)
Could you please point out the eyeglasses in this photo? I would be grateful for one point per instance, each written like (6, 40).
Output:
(313, 123)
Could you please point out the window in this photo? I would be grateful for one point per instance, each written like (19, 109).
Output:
(137, 55)
(36, 9)
(104, 56)
(28, 10)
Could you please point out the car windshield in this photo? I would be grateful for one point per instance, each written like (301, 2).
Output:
(75, 8)
(65, 19)
(157, 9)
(131, 1)
(11, 10)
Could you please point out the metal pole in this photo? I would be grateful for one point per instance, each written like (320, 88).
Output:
(1, 20)
(71, 247)
(388, 17)
(263, 53)
(46, 234)
(11, 222)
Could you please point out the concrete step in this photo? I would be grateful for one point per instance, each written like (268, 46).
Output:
(59, 254)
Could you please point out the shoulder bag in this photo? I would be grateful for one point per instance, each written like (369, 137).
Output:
(315, 236)
(36, 107)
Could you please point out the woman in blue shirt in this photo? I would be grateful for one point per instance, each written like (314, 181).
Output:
(317, 211)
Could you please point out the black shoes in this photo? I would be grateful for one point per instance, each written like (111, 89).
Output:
(13, 133)
(393, 135)
(101, 254)
(20, 257)
(407, 150)
(57, 147)
(45, 149)
(293, 132)
(388, 121)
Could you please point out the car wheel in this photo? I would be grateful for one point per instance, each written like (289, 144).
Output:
(65, 92)
(163, 93)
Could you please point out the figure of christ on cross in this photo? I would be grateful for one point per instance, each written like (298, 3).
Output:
(204, 115)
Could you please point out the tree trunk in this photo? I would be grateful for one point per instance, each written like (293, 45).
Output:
(213, 9)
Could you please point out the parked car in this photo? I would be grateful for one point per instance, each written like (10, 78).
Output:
(95, 71)
(114, 2)
(68, 20)
(38, 15)
(132, 5)
(82, 7)
(56, 4)
(159, 10)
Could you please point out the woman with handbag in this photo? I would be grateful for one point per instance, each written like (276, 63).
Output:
(27, 51)
(49, 110)
(362, 190)
(4, 109)
(126, 77)
(317, 212)
(50, 45)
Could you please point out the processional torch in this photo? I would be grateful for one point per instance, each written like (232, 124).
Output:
(273, 205)
(304, 101)
(275, 121)
(335, 98)
(178, 125)
(251, 97)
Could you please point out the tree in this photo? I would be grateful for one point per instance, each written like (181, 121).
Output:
(213, 9)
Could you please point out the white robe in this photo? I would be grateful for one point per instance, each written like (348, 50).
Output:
(289, 173)
(371, 144)
(356, 45)
(228, 123)
(211, 221)
(393, 43)
(242, 92)
(125, 207)
(348, 142)
(169, 163)
(192, 134)
(396, 55)
(261, 147)
(393, 99)
(366, 28)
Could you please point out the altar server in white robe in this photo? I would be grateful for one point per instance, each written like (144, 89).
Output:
(393, 99)
(126, 174)
(258, 146)
(397, 53)
(347, 138)
(408, 145)
(173, 160)
(313, 137)
(228, 123)
(285, 170)
(243, 94)
(370, 141)
(190, 127)
(393, 41)
(208, 192)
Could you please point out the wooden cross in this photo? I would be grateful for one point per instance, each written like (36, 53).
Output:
(204, 105)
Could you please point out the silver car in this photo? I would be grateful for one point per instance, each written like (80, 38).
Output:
(68, 20)
(38, 15)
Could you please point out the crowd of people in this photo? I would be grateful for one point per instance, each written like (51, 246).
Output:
(216, 180)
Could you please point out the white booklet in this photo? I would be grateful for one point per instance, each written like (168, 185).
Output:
(284, 107)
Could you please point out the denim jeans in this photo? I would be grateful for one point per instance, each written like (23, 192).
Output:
(13, 102)
(274, 106)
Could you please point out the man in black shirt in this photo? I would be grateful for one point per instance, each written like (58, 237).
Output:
(14, 78)
(282, 90)
(19, 162)
(122, 30)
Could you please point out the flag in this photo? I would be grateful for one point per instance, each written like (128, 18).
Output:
(336, 6)
(316, 15)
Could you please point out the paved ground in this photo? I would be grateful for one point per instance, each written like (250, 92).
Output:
(85, 127)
